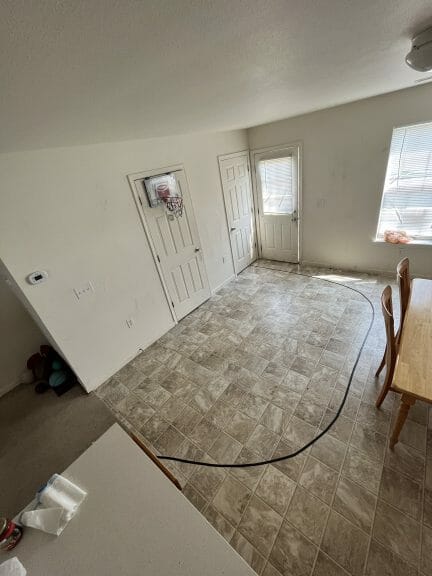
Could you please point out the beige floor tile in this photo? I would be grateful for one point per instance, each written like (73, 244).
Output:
(292, 553)
(401, 492)
(398, 532)
(225, 449)
(240, 427)
(275, 419)
(382, 562)
(270, 570)
(360, 469)
(406, 460)
(231, 500)
(326, 567)
(373, 418)
(345, 544)
(195, 497)
(251, 475)
(218, 521)
(207, 480)
(330, 451)
(341, 429)
(427, 508)
(355, 503)
(276, 489)
(426, 553)
(204, 434)
(369, 442)
(260, 525)
(319, 479)
(248, 552)
(292, 467)
(169, 441)
(299, 432)
(308, 514)
(262, 441)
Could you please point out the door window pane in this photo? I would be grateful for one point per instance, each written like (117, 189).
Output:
(277, 181)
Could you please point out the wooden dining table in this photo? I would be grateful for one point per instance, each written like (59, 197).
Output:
(413, 372)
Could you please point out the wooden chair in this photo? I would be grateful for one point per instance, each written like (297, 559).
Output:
(404, 283)
(391, 346)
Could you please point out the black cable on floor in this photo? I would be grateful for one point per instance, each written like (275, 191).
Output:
(338, 412)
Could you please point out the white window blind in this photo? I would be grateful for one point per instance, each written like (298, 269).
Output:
(407, 197)
(277, 185)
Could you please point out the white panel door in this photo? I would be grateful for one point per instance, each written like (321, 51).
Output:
(237, 192)
(177, 248)
(277, 188)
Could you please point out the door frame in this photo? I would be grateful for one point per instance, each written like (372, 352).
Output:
(298, 144)
(138, 176)
(253, 205)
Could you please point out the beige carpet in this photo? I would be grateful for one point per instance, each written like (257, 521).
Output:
(43, 434)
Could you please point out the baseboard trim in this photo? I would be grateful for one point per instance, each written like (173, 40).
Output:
(214, 290)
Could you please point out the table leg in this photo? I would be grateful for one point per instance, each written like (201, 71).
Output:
(406, 402)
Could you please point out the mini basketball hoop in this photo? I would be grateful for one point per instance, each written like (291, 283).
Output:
(163, 190)
(174, 204)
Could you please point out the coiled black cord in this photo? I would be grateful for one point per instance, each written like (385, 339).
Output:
(338, 412)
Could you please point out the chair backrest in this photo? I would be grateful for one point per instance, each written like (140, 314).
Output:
(404, 281)
(387, 310)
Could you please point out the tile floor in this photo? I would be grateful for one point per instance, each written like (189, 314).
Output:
(256, 372)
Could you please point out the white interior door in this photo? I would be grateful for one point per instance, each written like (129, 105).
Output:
(277, 189)
(237, 192)
(177, 248)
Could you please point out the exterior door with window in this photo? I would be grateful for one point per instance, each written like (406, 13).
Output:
(175, 242)
(277, 189)
(237, 192)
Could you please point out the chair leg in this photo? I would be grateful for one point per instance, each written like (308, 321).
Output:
(385, 388)
(406, 403)
(381, 366)
(388, 380)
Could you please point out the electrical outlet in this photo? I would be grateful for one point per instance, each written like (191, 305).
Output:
(84, 290)
(130, 323)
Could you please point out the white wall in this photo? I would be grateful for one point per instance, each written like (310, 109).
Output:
(70, 211)
(19, 336)
(345, 153)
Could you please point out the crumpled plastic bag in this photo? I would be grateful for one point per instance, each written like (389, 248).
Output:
(12, 567)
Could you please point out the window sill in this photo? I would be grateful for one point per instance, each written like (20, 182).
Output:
(411, 243)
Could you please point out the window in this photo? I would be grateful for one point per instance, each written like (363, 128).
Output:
(277, 185)
(407, 197)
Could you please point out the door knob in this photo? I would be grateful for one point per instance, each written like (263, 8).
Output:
(232, 229)
(197, 249)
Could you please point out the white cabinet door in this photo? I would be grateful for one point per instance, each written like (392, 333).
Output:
(237, 192)
(277, 187)
(177, 248)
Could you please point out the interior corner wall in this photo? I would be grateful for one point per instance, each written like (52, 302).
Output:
(70, 212)
(19, 335)
(345, 151)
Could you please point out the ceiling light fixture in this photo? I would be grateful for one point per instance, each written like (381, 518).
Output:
(420, 56)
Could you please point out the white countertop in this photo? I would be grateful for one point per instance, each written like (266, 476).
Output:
(134, 522)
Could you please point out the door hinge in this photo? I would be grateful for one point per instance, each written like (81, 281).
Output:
(140, 199)
(157, 256)
(172, 303)
(248, 168)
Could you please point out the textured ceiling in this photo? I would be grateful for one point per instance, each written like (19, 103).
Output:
(84, 71)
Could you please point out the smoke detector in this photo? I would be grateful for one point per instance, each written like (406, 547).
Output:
(420, 56)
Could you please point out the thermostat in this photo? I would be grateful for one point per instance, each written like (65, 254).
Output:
(37, 277)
